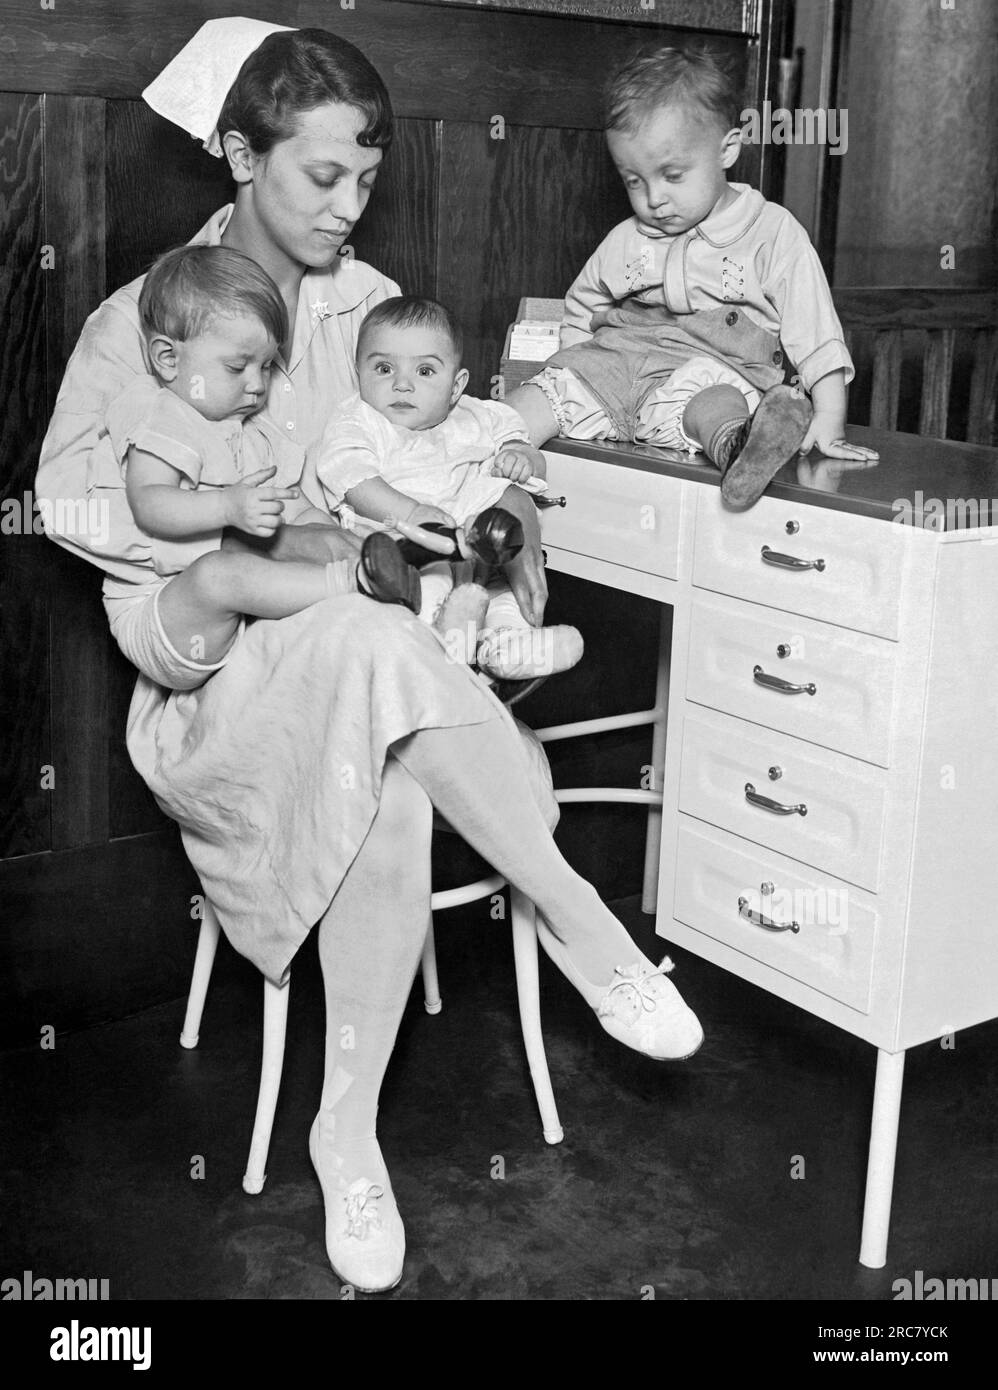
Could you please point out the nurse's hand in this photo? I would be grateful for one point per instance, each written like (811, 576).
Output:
(525, 574)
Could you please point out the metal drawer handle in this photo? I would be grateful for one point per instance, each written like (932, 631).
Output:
(760, 920)
(789, 562)
(762, 677)
(767, 803)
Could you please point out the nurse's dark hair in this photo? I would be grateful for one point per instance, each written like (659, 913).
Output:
(190, 287)
(688, 77)
(410, 311)
(291, 73)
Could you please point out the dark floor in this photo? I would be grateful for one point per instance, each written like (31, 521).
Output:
(671, 1178)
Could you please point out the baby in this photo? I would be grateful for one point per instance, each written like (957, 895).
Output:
(194, 459)
(411, 447)
(677, 331)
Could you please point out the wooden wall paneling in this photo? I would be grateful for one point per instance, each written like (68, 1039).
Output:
(74, 222)
(926, 307)
(438, 62)
(983, 386)
(938, 372)
(518, 216)
(886, 380)
(74, 286)
(161, 188)
(25, 824)
(398, 231)
(727, 15)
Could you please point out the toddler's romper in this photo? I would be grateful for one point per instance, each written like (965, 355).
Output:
(654, 319)
(207, 454)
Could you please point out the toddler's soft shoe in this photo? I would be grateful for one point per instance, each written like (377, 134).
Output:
(640, 1007)
(521, 653)
(751, 455)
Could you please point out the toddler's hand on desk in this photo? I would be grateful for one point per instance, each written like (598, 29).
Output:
(519, 462)
(825, 433)
(254, 509)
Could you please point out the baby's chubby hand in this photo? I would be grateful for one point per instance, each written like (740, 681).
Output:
(422, 515)
(518, 462)
(255, 509)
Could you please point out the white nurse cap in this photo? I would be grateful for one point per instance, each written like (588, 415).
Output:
(191, 90)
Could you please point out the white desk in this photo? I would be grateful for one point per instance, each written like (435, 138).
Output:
(829, 716)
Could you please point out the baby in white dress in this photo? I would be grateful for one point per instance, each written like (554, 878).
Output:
(411, 447)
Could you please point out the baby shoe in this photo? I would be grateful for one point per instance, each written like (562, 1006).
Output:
(640, 1007)
(752, 455)
(365, 1238)
(384, 575)
(495, 536)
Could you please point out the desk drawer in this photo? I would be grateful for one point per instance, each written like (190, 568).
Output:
(625, 516)
(841, 830)
(858, 586)
(832, 950)
(853, 675)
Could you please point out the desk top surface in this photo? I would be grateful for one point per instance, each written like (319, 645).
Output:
(932, 483)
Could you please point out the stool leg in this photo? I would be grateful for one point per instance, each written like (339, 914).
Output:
(204, 959)
(431, 985)
(653, 839)
(529, 995)
(275, 1022)
(880, 1167)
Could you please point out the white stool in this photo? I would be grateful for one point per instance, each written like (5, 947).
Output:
(275, 998)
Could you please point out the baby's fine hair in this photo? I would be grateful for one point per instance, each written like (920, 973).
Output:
(410, 311)
(191, 286)
(683, 77)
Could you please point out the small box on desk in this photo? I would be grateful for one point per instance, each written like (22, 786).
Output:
(530, 341)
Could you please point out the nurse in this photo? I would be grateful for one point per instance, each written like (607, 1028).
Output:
(304, 772)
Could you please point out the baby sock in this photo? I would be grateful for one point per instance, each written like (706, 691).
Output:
(717, 418)
(341, 578)
(460, 619)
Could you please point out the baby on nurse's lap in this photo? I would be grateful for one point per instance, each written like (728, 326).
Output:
(410, 447)
(197, 457)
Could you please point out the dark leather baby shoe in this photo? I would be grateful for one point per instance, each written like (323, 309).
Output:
(384, 574)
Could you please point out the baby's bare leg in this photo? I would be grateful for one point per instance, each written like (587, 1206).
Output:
(201, 608)
(535, 409)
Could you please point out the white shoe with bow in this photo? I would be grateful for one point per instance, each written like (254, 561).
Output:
(639, 1007)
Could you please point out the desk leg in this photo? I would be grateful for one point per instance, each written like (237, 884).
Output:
(880, 1168)
(653, 841)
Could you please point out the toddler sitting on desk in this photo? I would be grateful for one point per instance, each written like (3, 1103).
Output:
(192, 460)
(674, 333)
(411, 447)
